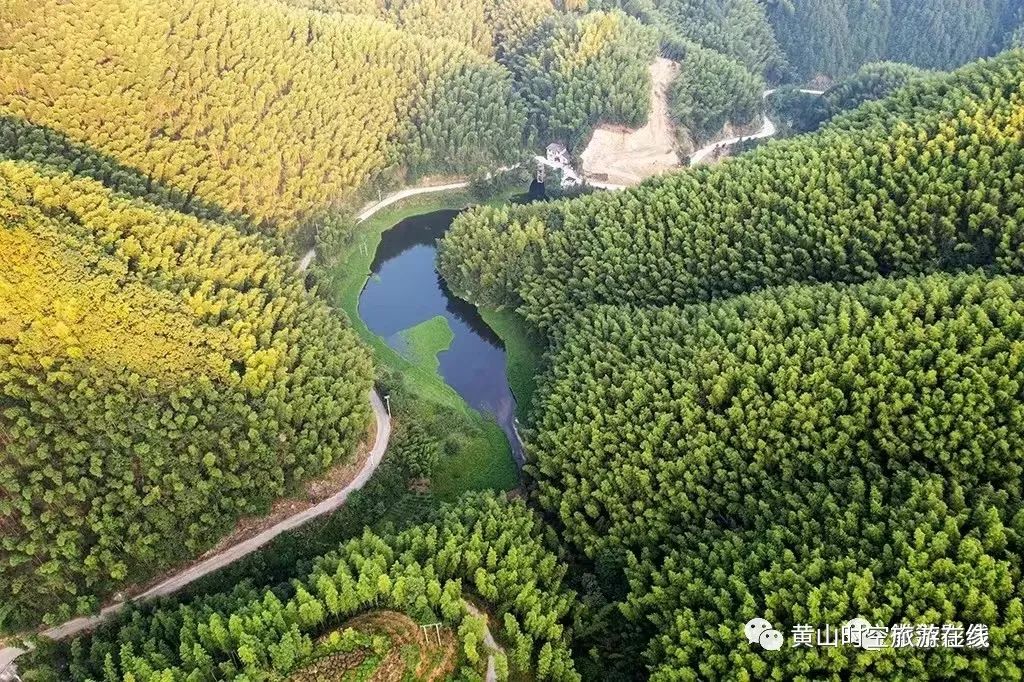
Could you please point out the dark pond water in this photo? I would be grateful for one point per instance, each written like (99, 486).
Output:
(405, 289)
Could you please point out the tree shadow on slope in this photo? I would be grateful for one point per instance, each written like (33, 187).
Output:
(21, 140)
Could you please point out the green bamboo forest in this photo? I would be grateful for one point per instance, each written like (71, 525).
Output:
(761, 403)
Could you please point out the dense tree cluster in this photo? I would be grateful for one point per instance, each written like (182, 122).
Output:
(736, 28)
(835, 37)
(811, 453)
(930, 179)
(908, 551)
(22, 141)
(488, 26)
(439, 139)
(740, 411)
(417, 450)
(276, 111)
(871, 82)
(796, 111)
(256, 107)
(160, 376)
(575, 72)
(712, 90)
(784, 385)
(483, 549)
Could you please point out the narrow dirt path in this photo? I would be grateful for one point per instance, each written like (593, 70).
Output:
(492, 675)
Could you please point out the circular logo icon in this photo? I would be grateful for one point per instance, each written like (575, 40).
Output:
(771, 640)
(754, 628)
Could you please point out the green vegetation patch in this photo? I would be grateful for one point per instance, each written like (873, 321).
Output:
(423, 342)
(524, 348)
(476, 454)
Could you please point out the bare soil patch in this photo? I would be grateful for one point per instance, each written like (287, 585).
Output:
(622, 156)
(435, 661)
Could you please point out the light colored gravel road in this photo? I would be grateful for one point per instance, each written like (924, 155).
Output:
(492, 674)
(308, 257)
(769, 129)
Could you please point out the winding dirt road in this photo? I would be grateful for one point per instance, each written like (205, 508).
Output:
(236, 552)
(769, 129)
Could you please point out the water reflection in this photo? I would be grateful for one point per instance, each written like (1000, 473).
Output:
(405, 289)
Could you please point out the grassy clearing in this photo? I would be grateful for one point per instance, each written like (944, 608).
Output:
(477, 455)
(426, 340)
(525, 351)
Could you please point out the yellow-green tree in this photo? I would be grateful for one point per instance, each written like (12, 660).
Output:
(160, 376)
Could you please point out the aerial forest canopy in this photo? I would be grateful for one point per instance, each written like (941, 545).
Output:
(806, 455)
(164, 371)
(927, 179)
(790, 386)
(725, 49)
(797, 111)
(574, 73)
(161, 376)
(483, 550)
(872, 82)
(488, 26)
(277, 111)
(712, 90)
(834, 37)
(260, 108)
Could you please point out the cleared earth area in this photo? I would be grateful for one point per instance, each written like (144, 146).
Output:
(622, 156)
(410, 654)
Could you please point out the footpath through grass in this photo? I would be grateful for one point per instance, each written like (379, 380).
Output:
(477, 455)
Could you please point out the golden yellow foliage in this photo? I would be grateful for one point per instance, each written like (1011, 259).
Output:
(160, 375)
(260, 108)
(484, 25)
(57, 302)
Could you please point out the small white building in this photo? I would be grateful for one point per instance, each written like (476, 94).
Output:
(558, 153)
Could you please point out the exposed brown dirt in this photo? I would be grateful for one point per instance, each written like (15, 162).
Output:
(329, 668)
(622, 156)
(436, 661)
(433, 661)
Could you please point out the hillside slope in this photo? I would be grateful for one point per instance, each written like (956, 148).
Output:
(161, 376)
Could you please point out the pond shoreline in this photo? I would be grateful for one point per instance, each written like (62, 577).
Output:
(404, 291)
